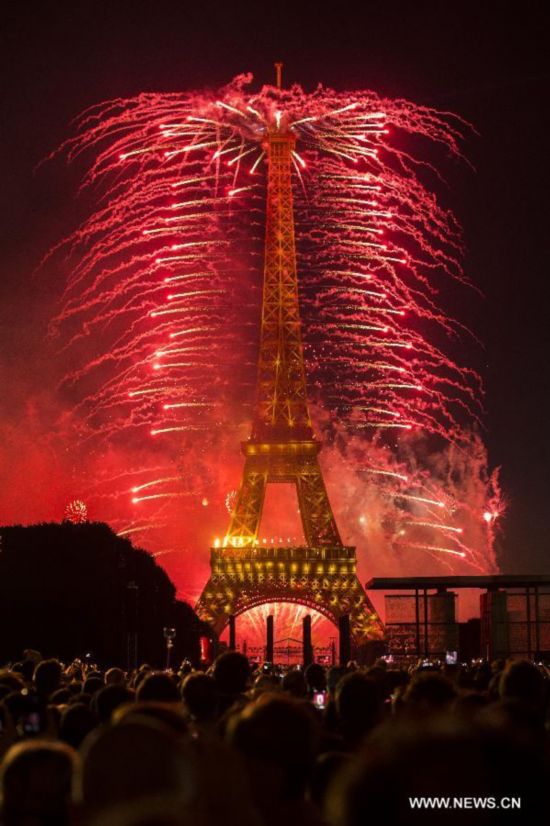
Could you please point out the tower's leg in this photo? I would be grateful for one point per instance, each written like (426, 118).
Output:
(345, 639)
(306, 640)
(245, 519)
(317, 517)
(269, 639)
(232, 633)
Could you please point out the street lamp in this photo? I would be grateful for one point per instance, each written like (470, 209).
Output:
(169, 636)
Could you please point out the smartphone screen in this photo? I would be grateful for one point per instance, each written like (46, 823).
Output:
(31, 723)
(319, 699)
(451, 657)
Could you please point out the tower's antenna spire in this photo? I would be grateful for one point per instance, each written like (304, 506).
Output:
(279, 73)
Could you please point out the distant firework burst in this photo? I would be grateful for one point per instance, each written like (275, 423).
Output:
(231, 500)
(165, 290)
(76, 512)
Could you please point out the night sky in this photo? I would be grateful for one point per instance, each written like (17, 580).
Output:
(480, 60)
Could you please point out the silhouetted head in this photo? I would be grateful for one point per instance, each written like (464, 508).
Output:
(358, 705)
(294, 683)
(482, 676)
(109, 698)
(60, 697)
(92, 684)
(159, 687)
(468, 706)
(396, 679)
(277, 739)
(140, 676)
(16, 705)
(522, 680)
(402, 759)
(11, 680)
(334, 675)
(429, 692)
(77, 721)
(47, 677)
(36, 783)
(201, 697)
(82, 698)
(131, 761)
(168, 715)
(315, 677)
(231, 672)
(265, 683)
(27, 670)
(115, 676)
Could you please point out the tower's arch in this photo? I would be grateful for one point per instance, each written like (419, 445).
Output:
(323, 579)
(310, 605)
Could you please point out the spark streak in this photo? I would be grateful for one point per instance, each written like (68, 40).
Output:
(376, 250)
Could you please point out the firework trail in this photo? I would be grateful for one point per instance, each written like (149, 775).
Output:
(165, 292)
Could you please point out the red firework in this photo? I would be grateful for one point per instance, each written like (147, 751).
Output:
(166, 279)
(76, 512)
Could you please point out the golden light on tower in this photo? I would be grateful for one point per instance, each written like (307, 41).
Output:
(282, 448)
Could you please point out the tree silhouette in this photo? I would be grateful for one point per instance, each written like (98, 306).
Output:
(68, 590)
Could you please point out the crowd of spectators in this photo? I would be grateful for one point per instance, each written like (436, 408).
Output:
(243, 745)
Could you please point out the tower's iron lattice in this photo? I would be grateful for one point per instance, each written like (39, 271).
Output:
(282, 448)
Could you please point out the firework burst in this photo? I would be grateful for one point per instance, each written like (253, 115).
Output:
(165, 282)
(76, 512)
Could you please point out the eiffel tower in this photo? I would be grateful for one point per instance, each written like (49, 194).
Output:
(282, 448)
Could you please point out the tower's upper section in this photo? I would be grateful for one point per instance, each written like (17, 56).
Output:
(281, 411)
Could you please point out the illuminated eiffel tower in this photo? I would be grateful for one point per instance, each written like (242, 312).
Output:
(282, 448)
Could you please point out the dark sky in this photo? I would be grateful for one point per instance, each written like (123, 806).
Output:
(484, 61)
